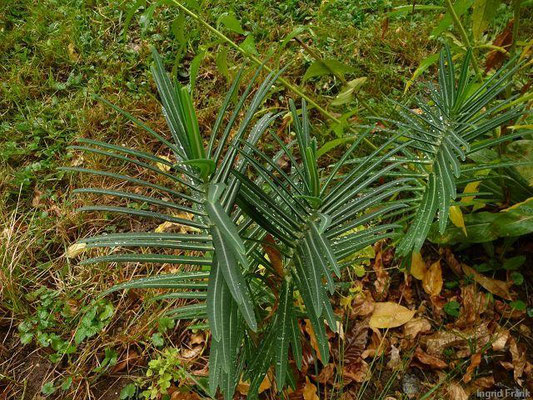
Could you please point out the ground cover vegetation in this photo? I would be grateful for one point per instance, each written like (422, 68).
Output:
(253, 200)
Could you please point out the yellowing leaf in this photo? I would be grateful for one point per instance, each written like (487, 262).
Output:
(471, 187)
(418, 266)
(390, 315)
(314, 342)
(75, 250)
(165, 226)
(432, 281)
(162, 166)
(309, 392)
(496, 287)
(456, 216)
(244, 386)
(346, 94)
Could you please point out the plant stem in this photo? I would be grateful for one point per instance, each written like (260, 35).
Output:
(257, 61)
(516, 25)
(464, 35)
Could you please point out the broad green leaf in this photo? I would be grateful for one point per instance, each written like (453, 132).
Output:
(217, 301)
(460, 7)
(424, 65)
(231, 22)
(140, 199)
(331, 144)
(146, 17)
(222, 62)
(296, 344)
(172, 105)
(248, 45)
(195, 67)
(227, 229)
(295, 32)
(483, 13)
(327, 251)
(129, 16)
(147, 214)
(283, 323)
(178, 28)
(233, 275)
(149, 258)
(486, 226)
(347, 92)
(327, 67)
(522, 150)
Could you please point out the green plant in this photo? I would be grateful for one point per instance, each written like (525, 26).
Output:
(263, 235)
(95, 317)
(457, 124)
(317, 219)
(163, 370)
(205, 173)
(44, 323)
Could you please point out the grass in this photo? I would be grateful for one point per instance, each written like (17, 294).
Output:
(54, 55)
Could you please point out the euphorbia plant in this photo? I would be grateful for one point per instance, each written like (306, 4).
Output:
(266, 236)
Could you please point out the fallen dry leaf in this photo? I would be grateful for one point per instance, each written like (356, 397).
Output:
(432, 280)
(354, 342)
(518, 354)
(390, 315)
(456, 392)
(418, 266)
(395, 361)
(382, 281)
(363, 305)
(357, 371)
(495, 58)
(274, 255)
(163, 166)
(427, 359)
(474, 304)
(475, 360)
(167, 225)
(185, 396)
(309, 392)
(496, 287)
(197, 338)
(244, 386)
(415, 326)
(452, 262)
(326, 374)
(378, 345)
(75, 250)
(441, 340)
(506, 311)
(131, 359)
(314, 342)
(480, 384)
(500, 340)
(189, 354)
(384, 27)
